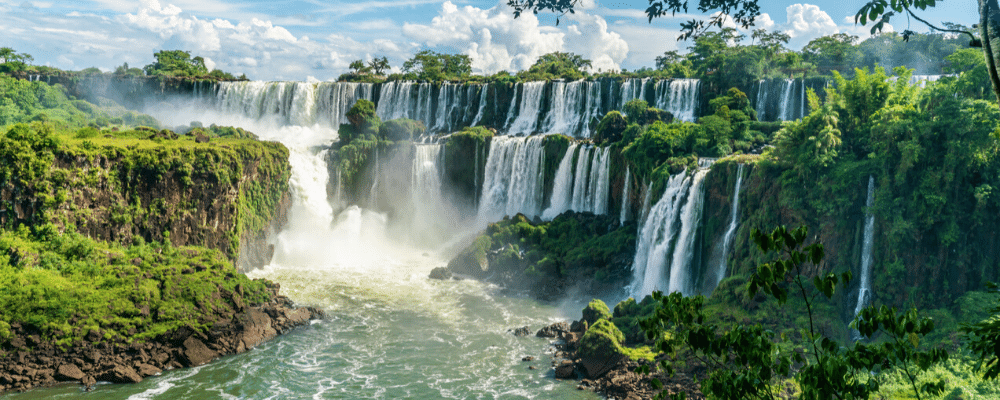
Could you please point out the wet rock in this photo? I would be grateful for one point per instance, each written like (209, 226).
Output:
(528, 358)
(522, 331)
(147, 370)
(441, 273)
(69, 372)
(120, 374)
(195, 352)
(553, 331)
(565, 369)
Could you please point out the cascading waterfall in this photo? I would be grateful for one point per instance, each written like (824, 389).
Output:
(680, 267)
(430, 210)
(527, 117)
(786, 103)
(680, 97)
(444, 107)
(665, 244)
(562, 187)
(655, 237)
(727, 239)
(584, 188)
(864, 288)
(513, 181)
(761, 100)
(626, 200)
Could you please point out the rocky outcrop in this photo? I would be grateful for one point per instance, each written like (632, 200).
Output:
(124, 192)
(27, 362)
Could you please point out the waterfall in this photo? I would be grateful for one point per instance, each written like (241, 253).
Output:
(680, 97)
(527, 117)
(513, 181)
(625, 197)
(727, 239)
(761, 100)
(581, 183)
(655, 237)
(373, 191)
(482, 106)
(786, 107)
(568, 107)
(562, 187)
(602, 182)
(680, 267)
(425, 187)
(667, 236)
(864, 288)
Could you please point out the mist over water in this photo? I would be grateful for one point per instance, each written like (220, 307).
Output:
(391, 332)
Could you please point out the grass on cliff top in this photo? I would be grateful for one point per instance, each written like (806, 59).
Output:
(66, 285)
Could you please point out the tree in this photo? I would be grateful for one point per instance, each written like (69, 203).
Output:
(8, 54)
(745, 12)
(379, 65)
(558, 65)
(359, 67)
(434, 66)
(176, 63)
(830, 53)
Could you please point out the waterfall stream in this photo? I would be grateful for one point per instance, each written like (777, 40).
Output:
(864, 286)
(727, 239)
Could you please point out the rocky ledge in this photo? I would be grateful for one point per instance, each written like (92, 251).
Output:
(26, 361)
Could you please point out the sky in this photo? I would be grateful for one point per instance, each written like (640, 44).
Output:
(316, 40)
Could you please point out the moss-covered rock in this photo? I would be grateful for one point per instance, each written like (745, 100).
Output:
(121, 186)
(401, 129)
(610, 129)
(595, 311)
(600, 349)
(547, 258)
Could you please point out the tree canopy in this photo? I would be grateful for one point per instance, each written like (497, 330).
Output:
(434, 66)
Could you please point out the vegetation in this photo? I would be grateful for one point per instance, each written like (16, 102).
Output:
(108, 242)
(68, 286)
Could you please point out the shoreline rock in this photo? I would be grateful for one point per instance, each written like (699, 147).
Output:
(617, 381)
(26, 362)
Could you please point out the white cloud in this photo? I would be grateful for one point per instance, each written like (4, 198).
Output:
(496, 41)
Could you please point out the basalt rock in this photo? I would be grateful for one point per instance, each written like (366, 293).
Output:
(91, 361)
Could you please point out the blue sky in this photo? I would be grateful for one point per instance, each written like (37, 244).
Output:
(310, 39)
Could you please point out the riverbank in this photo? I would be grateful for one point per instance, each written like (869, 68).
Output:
(29, 361)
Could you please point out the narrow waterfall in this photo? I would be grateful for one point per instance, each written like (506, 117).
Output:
(513, 181)
(562, 187)
(531, 102)
(623, 216)
(482, 106)
(761, 104)
(667, 236)
(373, 192)
(581, 184)
(601, 172)
(864, 288)
(727, 239)
(786, 101)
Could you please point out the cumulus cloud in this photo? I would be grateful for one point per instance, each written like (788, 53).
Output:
(496, 41)
(805, 22)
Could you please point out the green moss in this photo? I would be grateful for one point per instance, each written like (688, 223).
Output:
(65, 284)
(595, 311)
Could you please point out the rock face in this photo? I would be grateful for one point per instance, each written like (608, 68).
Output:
(132, 193)
(22, 368)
